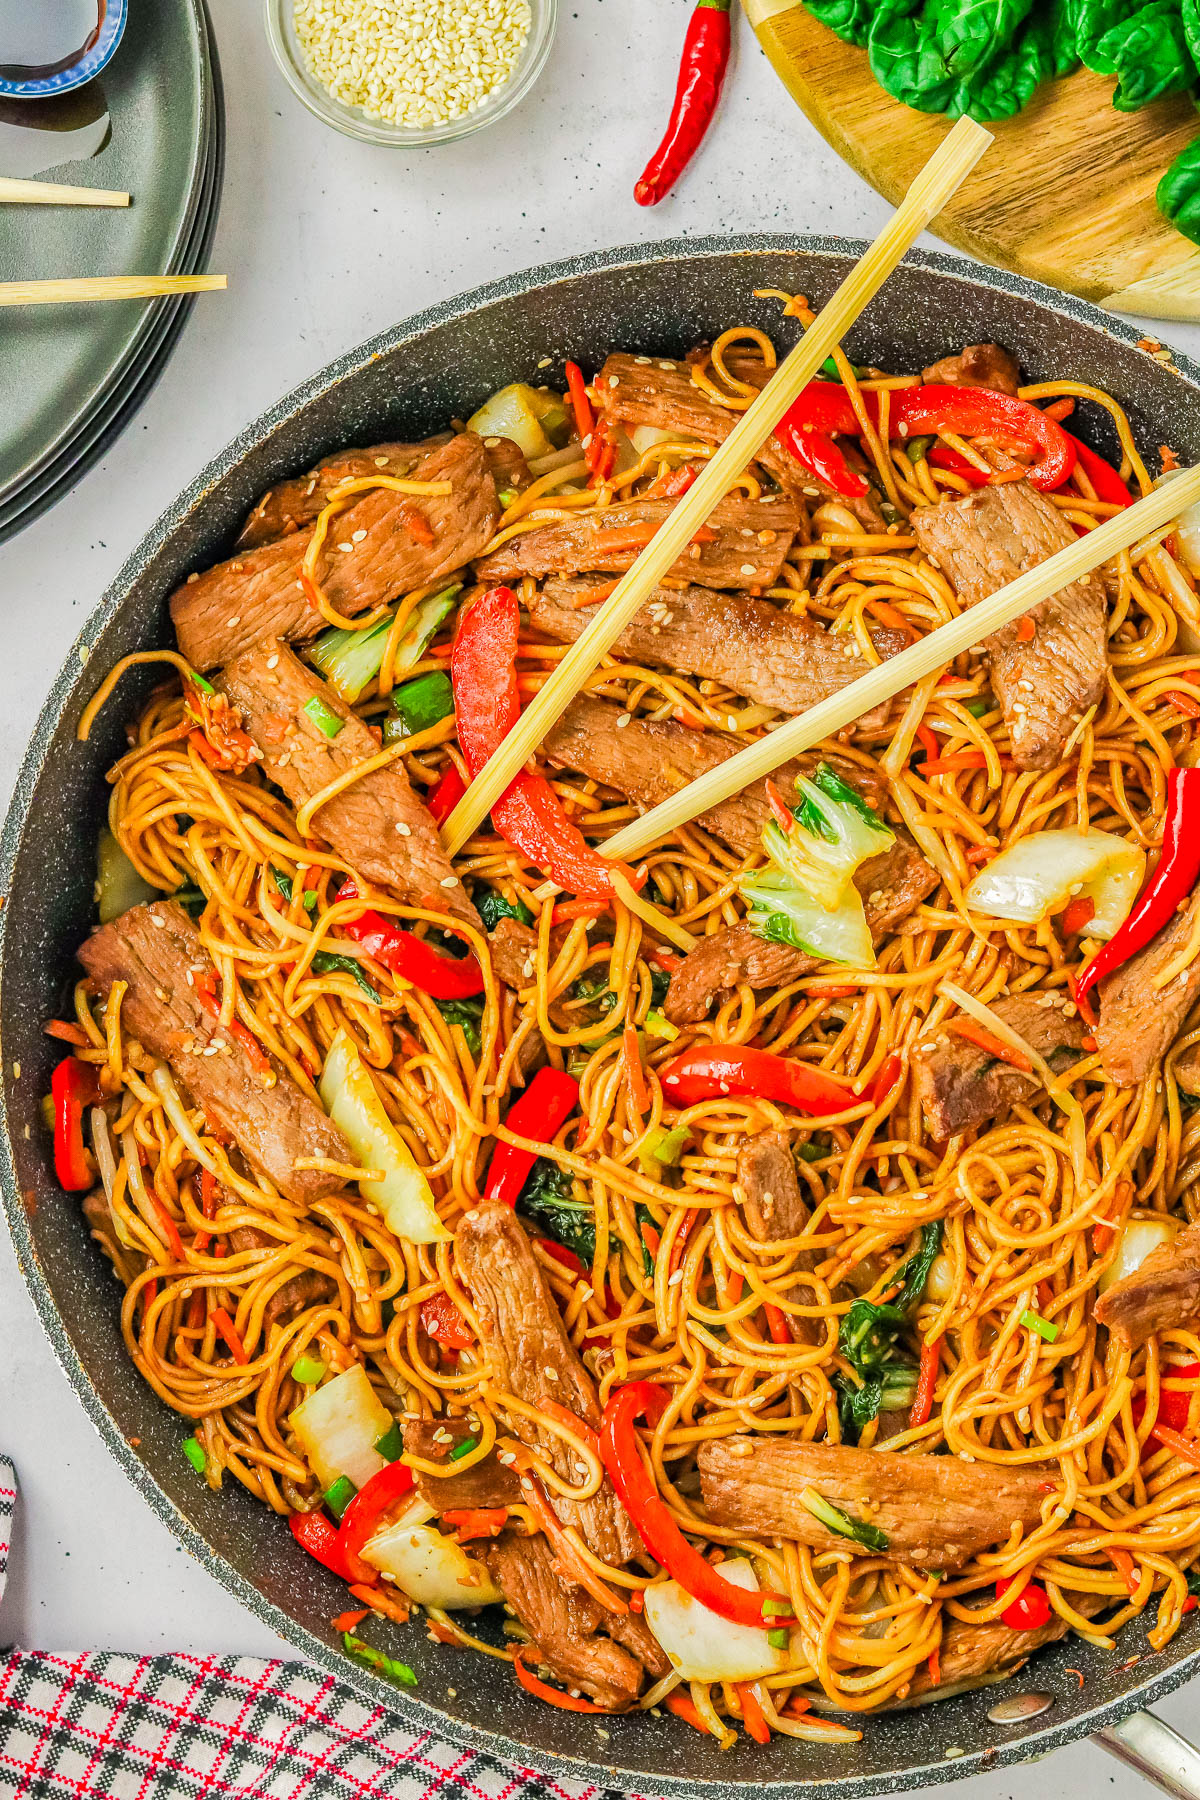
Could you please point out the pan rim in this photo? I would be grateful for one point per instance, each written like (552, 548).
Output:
(414, 1712)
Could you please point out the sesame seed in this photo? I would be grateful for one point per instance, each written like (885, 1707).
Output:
(272, 662)
(448, 881)
(492, 443)
(381, 462)
(403, 829)
(356, 537)
(622, 721)
(345, 547)
(747, 568)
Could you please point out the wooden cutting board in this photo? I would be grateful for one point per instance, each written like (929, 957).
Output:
(1065, 195)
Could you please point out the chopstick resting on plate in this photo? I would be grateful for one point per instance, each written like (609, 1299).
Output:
(920, 659)
(106, 287)
(938, 180)
(53, 193)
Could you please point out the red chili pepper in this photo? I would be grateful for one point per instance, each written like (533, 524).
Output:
(360, 1521)
(657, 1529)
(1170, 884)
(697, 91)
(410, 957)
(1030, 1610)
(442, 1321)
(540, 1113)
(445, 794)
(926, 1382)
(1104, 478)
(528, 814)
(824, 408)
(314, 1533)
(711, 1071)
(72, 1087)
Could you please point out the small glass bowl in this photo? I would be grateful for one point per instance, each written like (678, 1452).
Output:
(353, 122)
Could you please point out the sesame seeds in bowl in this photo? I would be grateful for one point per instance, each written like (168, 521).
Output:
(409, 72)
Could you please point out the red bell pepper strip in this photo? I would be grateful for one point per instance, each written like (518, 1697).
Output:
(1173, 1403)
(1030, 1611)
(1103, 477)
(698, 89)
(314, 1533)
(711, 1071)
(528, 815)
(824, 409)
(1171, 883)
(360, 1521)
(657, 1529)
(540, 1113)
(442, 1321)
(942, 457)
(410, 957)
(922, 1405)
(72, 1087)
(445, 794)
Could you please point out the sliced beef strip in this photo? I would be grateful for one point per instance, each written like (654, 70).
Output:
(1138, 1020)
(960, 1086)
(1044, 686)
(1187, 1071)
(751, 544)
(1161, 1293)
(487, 1484)
(776, 657)
(656, 391)
(531, 1356)
(257, 593)
(377, 823)
(156, 949)
(772, 1203)
(978, 365)
(892, 886)
(562, 1621)
(936, 1511)
(291, 505)
(648, 760)
(301, 1290)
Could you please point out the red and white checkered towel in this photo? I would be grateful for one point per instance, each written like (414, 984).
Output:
(104, 1725)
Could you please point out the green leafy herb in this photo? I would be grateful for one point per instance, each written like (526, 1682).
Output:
(1149, 55)
(976, 32)
(893, 1390)
(381, 1664)
(660, 981)
(194, 1452)
(596, 989)
(850, 19)
(907, 61)
(308, 898)
(812, 1152)
(339, 1496)
(468, 1014)
(1094, 19)
(869, 1330)
(1193, 1583)
(492, 907)
(1178, 193)
(548, 1198)
(327, 722)
(844, 1523)
(419, 704)
(328, 962)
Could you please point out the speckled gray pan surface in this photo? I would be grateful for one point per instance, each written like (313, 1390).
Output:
(659, 298)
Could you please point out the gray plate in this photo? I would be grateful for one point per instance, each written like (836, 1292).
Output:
(140, 368)
(405, 383)
(59, 363)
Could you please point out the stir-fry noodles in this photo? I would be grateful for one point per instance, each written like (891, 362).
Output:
(760, 1281)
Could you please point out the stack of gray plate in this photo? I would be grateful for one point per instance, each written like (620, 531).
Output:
(71, 377)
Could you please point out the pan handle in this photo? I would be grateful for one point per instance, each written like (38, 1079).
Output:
(1146, 1743)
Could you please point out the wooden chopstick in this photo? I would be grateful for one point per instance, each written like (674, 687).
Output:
(53, 193)
(105, 287)
(911, 665)
(957, 155)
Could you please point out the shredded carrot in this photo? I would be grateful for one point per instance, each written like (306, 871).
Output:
(1026, 629)
(928, 743)
(1105, 1230)
(979, 854)
(779, 806)
(70, 1034)
(169, 1227)
(733, 1290)
(1185, 1447)
(637, 1601)
(225, 1329)
(666, 960)
(476, 1521)
(585, 1432)
(576, 909)
(887, 614)
(418, 528)
(1078, 1673)
(1124, 1565)
(935, 1667)
(681, 1238)
(777, 1325)
(639, 1093)
(683, 715)
(1187, 704)
(1087, 1041)
(388, 1606)
(571, 1563)
(348, 1620)
(753, 1717)
(835, 991)
(581, 406)
(1060, 409)
(977, 1034)
(553, 1696)
(684, 1707)
(797, 1706)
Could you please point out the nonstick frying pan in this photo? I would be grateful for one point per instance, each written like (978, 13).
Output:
(657, 298)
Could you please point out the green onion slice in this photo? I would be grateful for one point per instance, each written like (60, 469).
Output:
(1034, 1322)
(308, 1370)
(323, 716)
(195, 1454)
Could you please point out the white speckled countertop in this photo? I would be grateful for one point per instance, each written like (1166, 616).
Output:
(325, 242)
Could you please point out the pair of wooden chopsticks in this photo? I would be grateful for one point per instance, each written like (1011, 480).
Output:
(941, 176)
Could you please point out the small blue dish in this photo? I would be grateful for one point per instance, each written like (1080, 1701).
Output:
(97, 55)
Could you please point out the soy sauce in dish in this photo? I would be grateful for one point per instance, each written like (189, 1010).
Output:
(40, 38)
